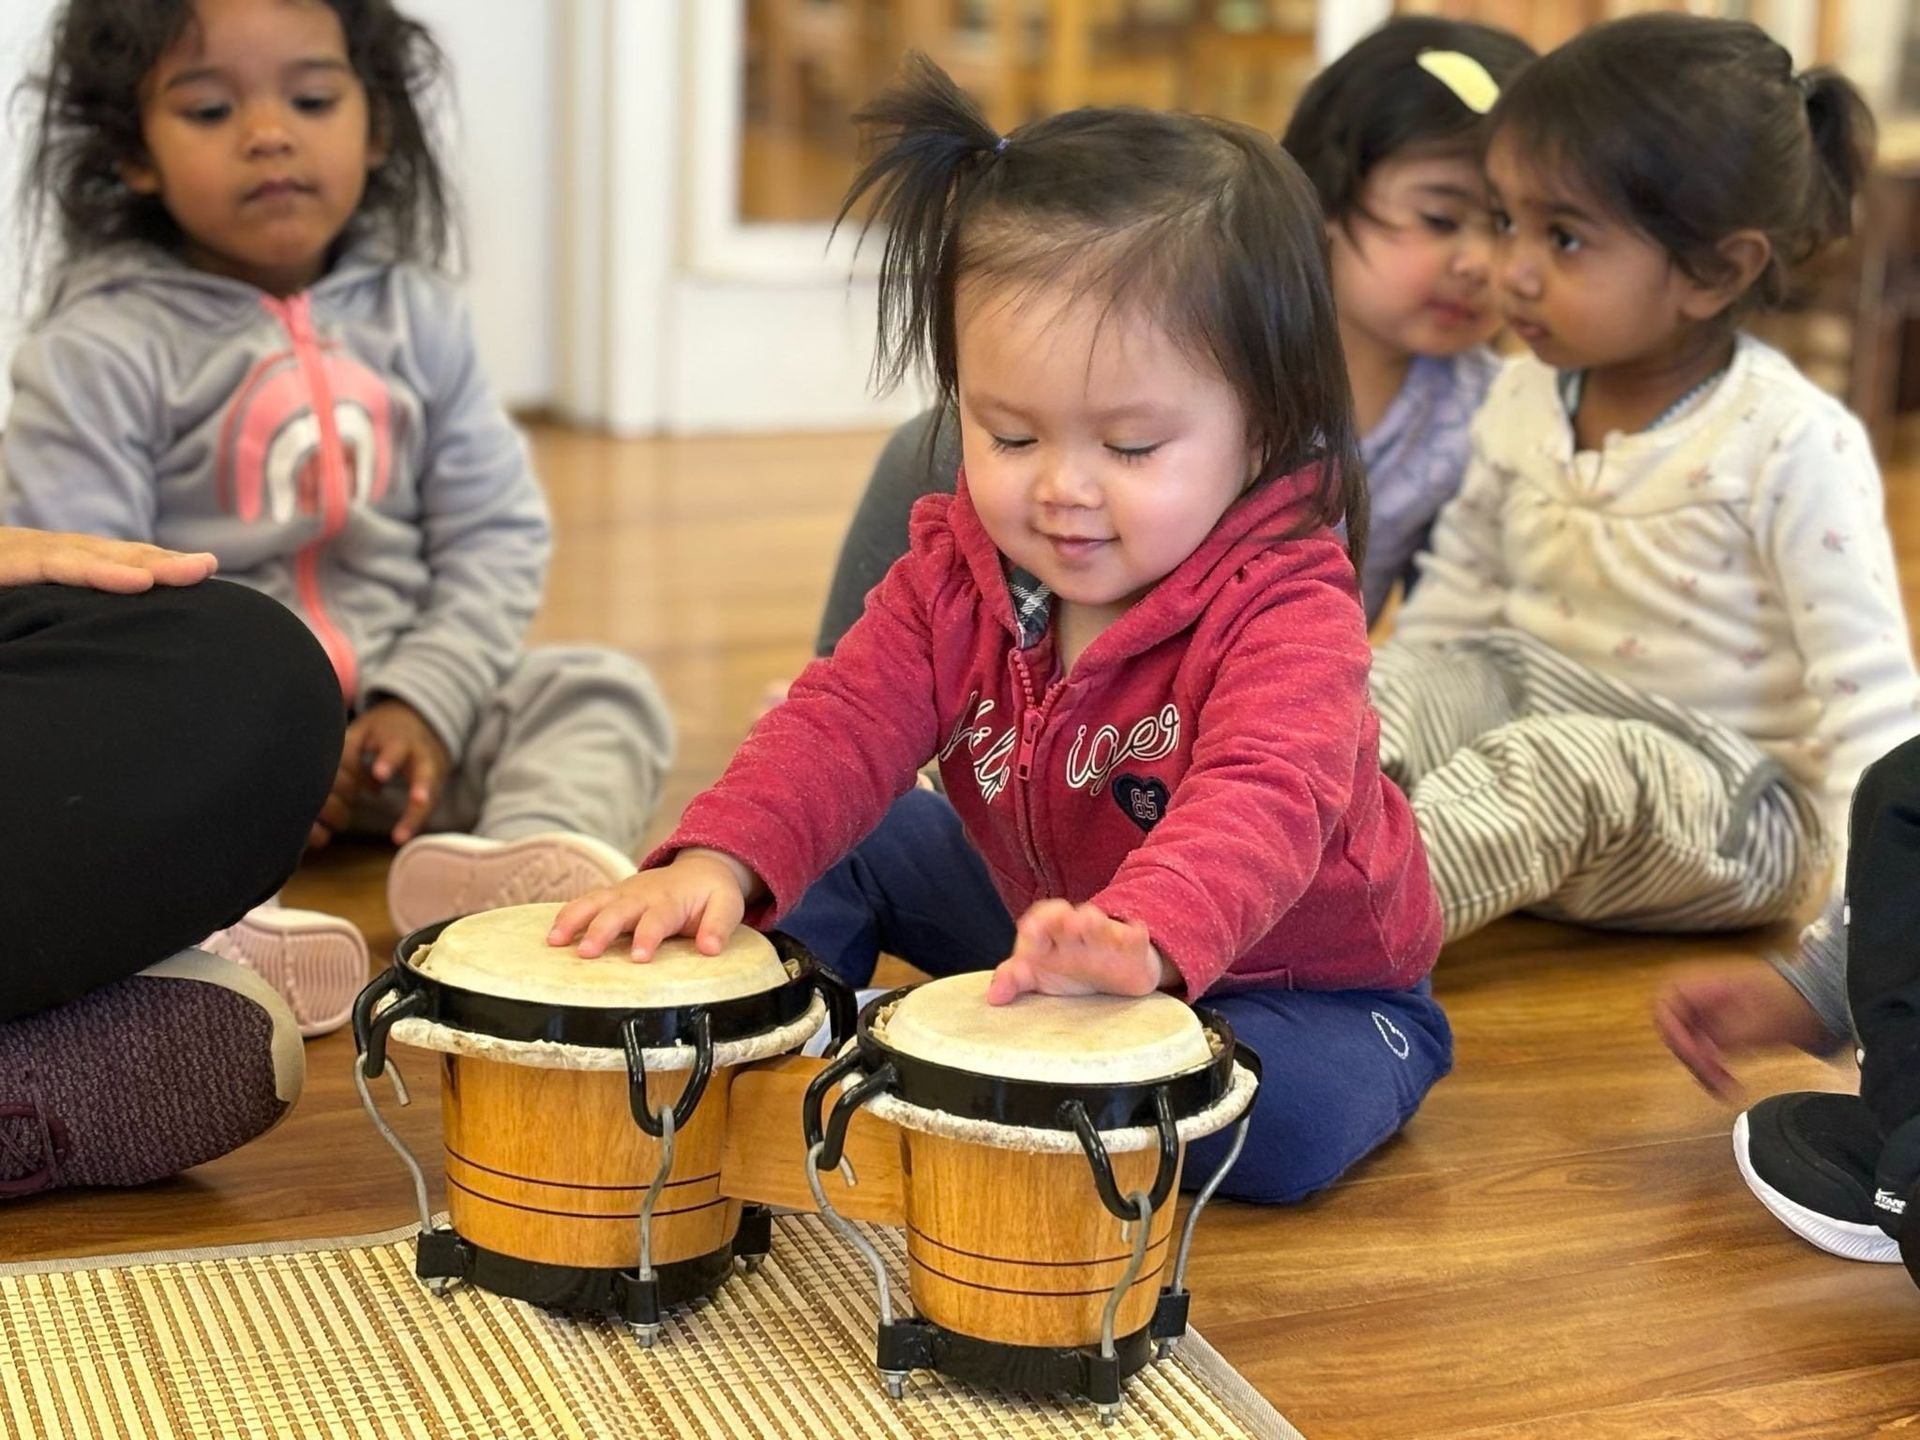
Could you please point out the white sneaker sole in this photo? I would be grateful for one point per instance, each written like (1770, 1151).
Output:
(1845, 1238)
(317, 962)
(439, 876)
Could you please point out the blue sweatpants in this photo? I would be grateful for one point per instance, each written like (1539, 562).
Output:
(1344, 1069)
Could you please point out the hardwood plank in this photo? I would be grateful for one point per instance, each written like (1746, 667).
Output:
(1500, 1353)
(1841, 1405)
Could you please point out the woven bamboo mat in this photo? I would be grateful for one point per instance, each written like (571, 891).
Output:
(337, 1338)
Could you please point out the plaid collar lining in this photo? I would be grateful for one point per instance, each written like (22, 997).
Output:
(1032, 605)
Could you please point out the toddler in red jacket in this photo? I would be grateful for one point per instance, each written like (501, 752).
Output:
(1133, 637)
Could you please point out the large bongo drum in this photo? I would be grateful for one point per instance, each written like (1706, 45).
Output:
(585, 1103)
(1041, 1151)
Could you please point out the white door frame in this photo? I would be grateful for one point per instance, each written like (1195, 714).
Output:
(676, 315)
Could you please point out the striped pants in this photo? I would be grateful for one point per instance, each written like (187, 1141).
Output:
(1543, 786)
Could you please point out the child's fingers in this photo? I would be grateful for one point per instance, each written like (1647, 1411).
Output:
(1042, 925)
(428, 774)
(615, 918)
(1680, 1028)
(1673, 1019)
(719, 918)
(1012, 978)
(1032, 943)
(337, 809)
(387, 757)
(575, 914)
(653, 926)
(420, 797)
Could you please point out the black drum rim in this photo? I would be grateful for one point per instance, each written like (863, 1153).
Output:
(598, 1027)
(1042, 1104)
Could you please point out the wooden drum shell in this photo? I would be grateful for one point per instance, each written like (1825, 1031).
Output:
(550, 1166)
(1016, 1247)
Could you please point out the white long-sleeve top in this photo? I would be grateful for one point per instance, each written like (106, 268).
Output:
(1735, 559)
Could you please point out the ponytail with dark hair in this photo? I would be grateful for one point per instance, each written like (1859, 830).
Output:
(926, 136)
(1205, 226)
(1843, 141)
(1692, 130)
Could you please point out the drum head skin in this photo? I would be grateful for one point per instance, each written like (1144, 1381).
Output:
(1065, 1040)
(505, 953)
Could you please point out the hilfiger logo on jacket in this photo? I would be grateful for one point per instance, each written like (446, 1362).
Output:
(309, 432)
(1094, 756)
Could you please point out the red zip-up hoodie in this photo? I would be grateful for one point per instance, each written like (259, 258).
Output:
(1209, 767)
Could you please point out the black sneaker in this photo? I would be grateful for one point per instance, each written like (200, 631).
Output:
(1813, 1159)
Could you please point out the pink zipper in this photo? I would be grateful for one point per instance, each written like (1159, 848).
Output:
(1032, 721)
(1029, 737)
(295, 315)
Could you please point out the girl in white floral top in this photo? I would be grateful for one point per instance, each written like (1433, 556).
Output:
(1659, 635)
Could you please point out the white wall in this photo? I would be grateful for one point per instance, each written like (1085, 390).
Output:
(503, 58)
(502, 53)
(23, 26)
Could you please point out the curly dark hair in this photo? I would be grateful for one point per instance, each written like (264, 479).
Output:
(86, 125)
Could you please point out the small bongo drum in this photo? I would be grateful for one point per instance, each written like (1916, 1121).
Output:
(584, 1103)
(1042, 1147)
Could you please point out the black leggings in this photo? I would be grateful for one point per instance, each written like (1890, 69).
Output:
(161, 757)
(1883, 936)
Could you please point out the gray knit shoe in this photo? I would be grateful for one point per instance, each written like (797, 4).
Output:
(178, 1065)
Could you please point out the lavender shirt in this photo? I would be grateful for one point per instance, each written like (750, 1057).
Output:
(1415, 457)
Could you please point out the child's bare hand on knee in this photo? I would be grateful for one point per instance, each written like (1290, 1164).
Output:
(1065, 949)
(702, 893)
(1710, 1013)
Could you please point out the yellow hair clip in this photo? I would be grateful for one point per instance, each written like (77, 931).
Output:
(1465, 76)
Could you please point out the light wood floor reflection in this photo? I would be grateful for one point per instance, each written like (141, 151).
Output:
(1559, 1245)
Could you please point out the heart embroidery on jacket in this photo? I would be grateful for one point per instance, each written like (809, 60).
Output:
(1143, 801)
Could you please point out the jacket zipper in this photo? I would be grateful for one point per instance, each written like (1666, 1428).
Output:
(1032, 721)
(295, 315)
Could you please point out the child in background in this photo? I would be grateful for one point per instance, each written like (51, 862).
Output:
(246, 351)
(1838, 1170)
(1131, 637)
(1659, 634)
(1390, 136)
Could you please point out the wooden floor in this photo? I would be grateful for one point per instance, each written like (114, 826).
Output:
(1559, 1245)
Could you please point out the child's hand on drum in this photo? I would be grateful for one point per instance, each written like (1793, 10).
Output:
(1065, 949)
(702, 893)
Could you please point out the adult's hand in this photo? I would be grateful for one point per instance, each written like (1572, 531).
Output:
(125, 567)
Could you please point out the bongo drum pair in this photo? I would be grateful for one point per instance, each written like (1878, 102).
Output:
(614, 1134)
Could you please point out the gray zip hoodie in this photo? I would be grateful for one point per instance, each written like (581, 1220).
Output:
(339, 450)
